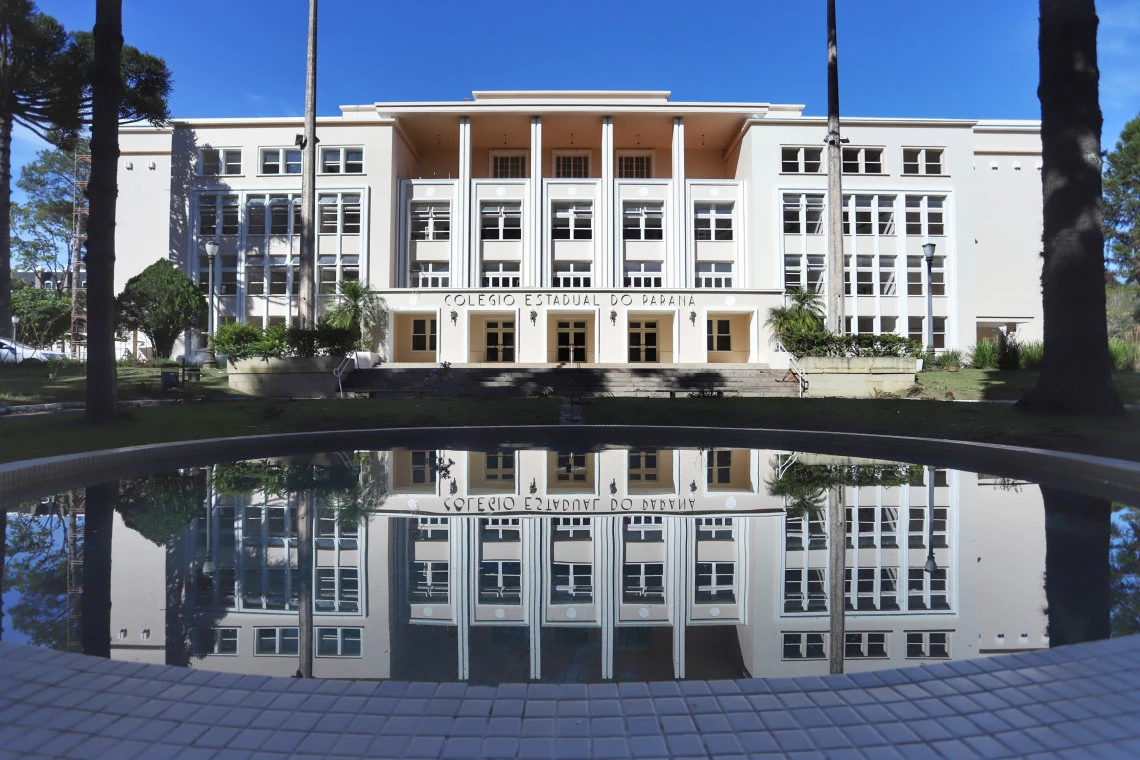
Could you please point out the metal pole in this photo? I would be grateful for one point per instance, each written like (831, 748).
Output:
(307, 302)
(211, 361)
(930, 304)
(834, 182)
(930, 565)
(837, 566)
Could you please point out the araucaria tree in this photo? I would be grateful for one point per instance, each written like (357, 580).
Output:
(1122, 203)
(1076, 375)
(163, 303)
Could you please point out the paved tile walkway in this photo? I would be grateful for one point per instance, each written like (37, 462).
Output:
(1081, 701)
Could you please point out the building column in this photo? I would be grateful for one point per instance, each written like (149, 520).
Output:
(534, 269)
(682, 267)
(463, 583)
(607, 586)
(604, 213)
(679, 561)
(461, 222)
(533, 572)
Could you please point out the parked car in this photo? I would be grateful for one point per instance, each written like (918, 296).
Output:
(13, 352)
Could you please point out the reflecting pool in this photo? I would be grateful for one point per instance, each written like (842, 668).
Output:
(516, 565)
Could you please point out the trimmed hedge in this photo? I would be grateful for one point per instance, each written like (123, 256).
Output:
(839, 346)
(246, 341)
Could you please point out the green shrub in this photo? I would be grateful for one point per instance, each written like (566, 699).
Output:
(1125, 353)
(1031, 354)
(821, 343)
(323, 340)
(1009, 352)
(983, 354)
(239, 340)
(950, 358)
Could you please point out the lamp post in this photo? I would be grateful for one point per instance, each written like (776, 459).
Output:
(928, 253)
(208, 566)
(15, 327)
(211, 361)
(931, 566)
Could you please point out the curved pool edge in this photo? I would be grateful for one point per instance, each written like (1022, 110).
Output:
(1106, 477)
(1080, 698)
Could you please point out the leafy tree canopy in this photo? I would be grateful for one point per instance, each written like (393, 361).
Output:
(1125, 571)
(163, 303)
(803, 485)
(45, 315)
(1122, 204)
(36, 573)
(161, 506)
(42, 226)
(803, 313)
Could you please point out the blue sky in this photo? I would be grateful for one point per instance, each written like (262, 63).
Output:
(925, 58)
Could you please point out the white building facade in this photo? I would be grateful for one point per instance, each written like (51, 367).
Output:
(595, 227)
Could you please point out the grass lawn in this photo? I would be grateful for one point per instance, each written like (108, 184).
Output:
(43, 435)
(27, 384)
(1007, 384)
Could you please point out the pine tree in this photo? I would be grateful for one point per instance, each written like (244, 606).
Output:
(1122, 204)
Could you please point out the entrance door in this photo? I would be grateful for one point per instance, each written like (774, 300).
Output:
(643, 341)
(571, 341)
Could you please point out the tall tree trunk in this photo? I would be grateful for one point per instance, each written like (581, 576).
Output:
(307, 305)
(834, 182)
(5, 227)
(836, 570)
(1076, 375)
(95, 604)
(305, 644)
(1077, 572)
(102, 387)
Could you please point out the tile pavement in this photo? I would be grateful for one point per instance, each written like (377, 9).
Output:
(1070, 702)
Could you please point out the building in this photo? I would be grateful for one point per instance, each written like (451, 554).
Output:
(526, 564)
(596, 227)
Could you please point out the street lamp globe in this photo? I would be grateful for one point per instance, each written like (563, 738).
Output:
(927, 250)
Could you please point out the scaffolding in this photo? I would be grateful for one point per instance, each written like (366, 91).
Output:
(81, 175)
(74, 538)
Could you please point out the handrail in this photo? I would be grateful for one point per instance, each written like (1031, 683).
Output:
(795, 369)
(338, 373)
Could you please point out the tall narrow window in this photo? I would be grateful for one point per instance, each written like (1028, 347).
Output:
(712, 221)
(500, 340)
(431, 221)
(571, 337)
(500, 221)
(423, 334)
(643, 341)
(642, 221)
(571, 221)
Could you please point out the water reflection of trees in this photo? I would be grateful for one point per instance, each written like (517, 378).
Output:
(1125, 570)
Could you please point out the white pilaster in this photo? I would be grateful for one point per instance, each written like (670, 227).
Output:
(463, 589)
(462, 222)
(608, 572)
(682, 267)
(533, 566)
(534, 270)
(678, 594)
(604, 214)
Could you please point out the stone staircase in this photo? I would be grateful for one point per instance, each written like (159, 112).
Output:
(662, 381)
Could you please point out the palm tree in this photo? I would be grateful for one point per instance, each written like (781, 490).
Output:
(1076, 376)
(359, 308)
(802, 313)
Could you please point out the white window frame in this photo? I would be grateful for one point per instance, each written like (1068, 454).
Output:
(861, 159)
(801, 159)
(437, 212)
(642, 211)
(343, 162)
(495, 154)
(642, 274)
(344, 600)
(431, 275)
(495, 571)
(571, 153)
(340, 639)
(503, 210)
(342, 202)
(921, 162)
(215, 633)
(804, 599)
(863, 639)
(800, 640)
(714, 212)
(276, 642)
(809, 213)
(641, 585)
(722, 577)
(495, 274)
(579, 585)
(435, 587)
(224, 162)
(922, 219)
(282, 162)
(712, 274)
(922, 639)
(633, 154)
(644, 528)
(578, 214)
(572, 274)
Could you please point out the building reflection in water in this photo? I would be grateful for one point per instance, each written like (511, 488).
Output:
(565, 566)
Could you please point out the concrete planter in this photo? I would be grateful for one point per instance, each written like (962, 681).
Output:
(857, 377)
(285, 378)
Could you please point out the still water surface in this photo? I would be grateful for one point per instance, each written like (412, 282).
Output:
(529, 565)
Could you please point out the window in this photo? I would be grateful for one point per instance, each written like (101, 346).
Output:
(719, 333)
(571, 338)
(886, 214)
(499, 529)
(816, 529)
(793, 272)
(862, 160)
(927, 645)
(500, 582)
(571, 221)
(714, 529)
(571, 583)
(508, 165)
(499, 467)
(914, 329)
(431, 221)
(500, 274)
(715, 582)
(712, 221)
(801, 160)
(217, 641)
(423, 334)
(572, 529)
(431, 274)
(570, 468)
(275, 641)
(863, 215)
(429, 581)
(803, 214)
(500, 221)
(643, 341)
(338, 642)
(917, 332)
(938, 277)
(218, 215)
(643, 468)
(888, 324)
(643, 274)
(643, 582)
(213, 162)
(338, 213)
(644, 528)
(571, 165)
(572, 274)
(864, 276)
(719, 467)
(337, 590)
(280, 216)
(642, 221)
(714, 275)
(922, 161)
(500, 336)
(635, 166)
(887, 276)
(864, 645)
(342, 160)
(280, 161)
(919, 529)
(927, 591)
(925, 215)
(805, 590)
(804, 646)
